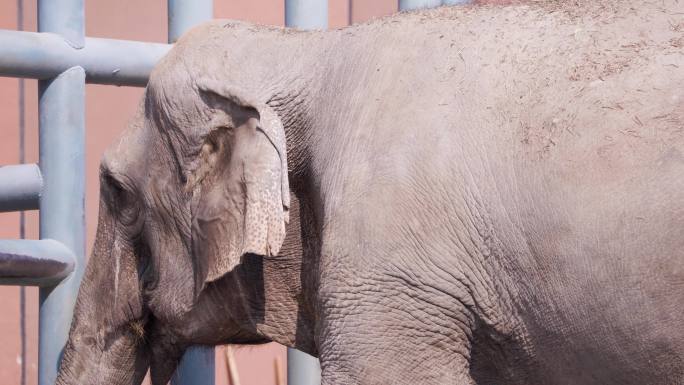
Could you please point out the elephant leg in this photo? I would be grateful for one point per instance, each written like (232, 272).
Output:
(375, 362)
(334, 374)
(383, 334)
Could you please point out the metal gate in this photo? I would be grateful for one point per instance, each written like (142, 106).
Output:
(63, 60)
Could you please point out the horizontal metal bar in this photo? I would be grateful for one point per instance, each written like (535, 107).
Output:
(20, 187)
(34, 263)
(105, 61)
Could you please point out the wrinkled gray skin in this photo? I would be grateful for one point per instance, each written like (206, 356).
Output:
(478, 196)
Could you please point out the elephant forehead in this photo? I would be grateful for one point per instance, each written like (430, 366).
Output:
(174, 101)
(130, 147)
(177, 114)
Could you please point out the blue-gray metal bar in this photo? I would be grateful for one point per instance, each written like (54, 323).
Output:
(407, 5)
(105, 61)
(303, 369)
(197, 365)
(65, 17)
(35, 263)
(306, 14)
(20, 187)
(62, 205)
(184, 14)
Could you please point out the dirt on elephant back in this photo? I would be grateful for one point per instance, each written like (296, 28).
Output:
(514, 2)
(501, 2)
(509, 2)
(546, 3)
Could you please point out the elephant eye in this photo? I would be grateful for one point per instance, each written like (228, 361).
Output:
(121, 199)
(115, 189)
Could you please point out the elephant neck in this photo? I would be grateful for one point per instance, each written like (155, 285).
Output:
(293, 112)
(289, 281)
(288, 75)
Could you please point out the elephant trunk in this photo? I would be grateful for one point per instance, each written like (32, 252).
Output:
(122, 363)
(107, 342)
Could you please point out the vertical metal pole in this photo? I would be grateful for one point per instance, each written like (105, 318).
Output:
(22, 215)
(62, 214)
(185, 14)
(62, 204)
(407, 5)
(64, 17)
(306, 14)
(197, 365)
(303, 369)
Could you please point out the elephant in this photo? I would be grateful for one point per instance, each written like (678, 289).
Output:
(461, 195)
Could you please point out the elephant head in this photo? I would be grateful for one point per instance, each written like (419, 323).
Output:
(198, 181)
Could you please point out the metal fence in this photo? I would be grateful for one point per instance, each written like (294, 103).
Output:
(63, 59)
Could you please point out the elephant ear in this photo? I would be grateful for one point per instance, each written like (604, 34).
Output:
(239, 183)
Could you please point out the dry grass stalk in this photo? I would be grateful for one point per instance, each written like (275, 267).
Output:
(278, 366)
(231, 367)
